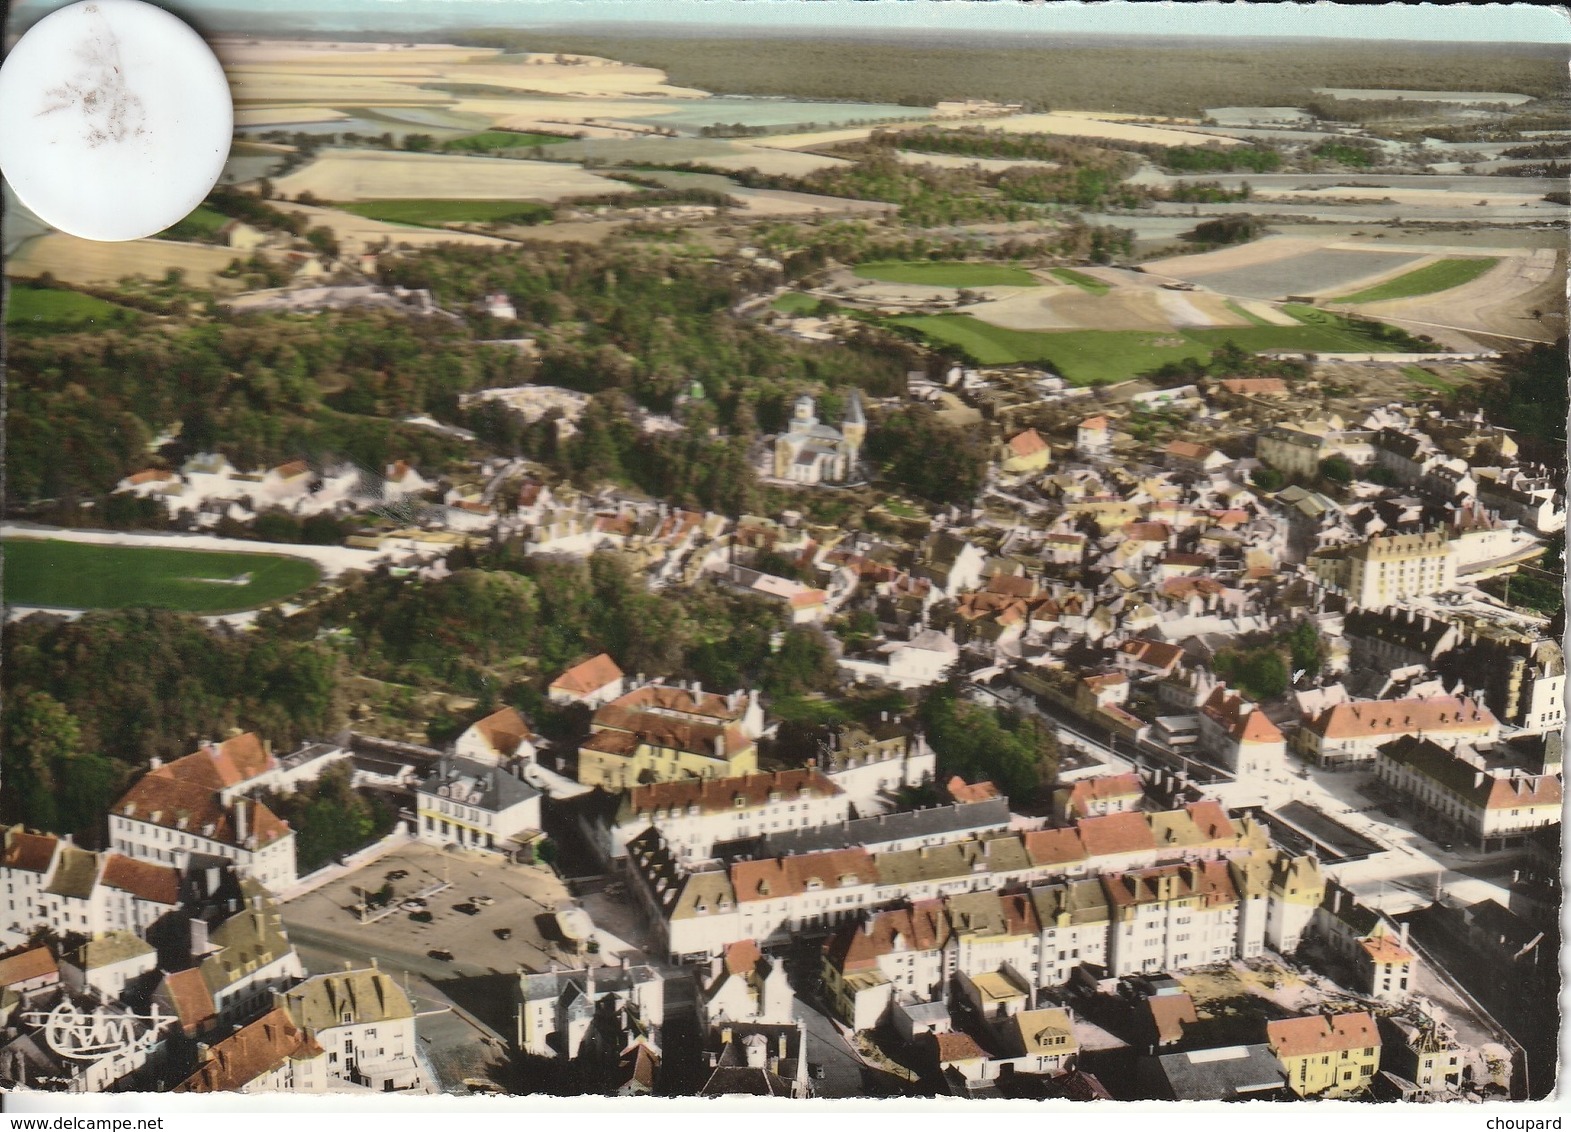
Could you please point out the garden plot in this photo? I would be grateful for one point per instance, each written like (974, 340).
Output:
(348, 175)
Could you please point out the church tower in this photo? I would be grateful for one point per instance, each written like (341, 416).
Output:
(853, 430)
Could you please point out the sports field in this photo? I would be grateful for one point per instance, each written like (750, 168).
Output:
(1441, 275)
(1095, 357)
(949, 273)
(435, 213)
(70, 575)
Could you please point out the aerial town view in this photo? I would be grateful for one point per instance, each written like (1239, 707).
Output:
(767, 560)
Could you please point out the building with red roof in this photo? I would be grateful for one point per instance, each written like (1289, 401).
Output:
(1335, 1055)
(499, 738)
(594, 682)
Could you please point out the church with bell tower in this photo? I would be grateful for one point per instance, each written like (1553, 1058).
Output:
(812, 452)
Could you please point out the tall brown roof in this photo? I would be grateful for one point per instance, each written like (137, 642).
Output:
(505, 730)
(1209, 880)
(249, 1052)
(159, 884)
(691, 736)
(222, 765)
(26, 966)
(173, 803)
(1316, 1034)
(1111, 834)
(791, 876)
(1027, 443)
(1450, 714)
(30, 852)
(714, 795)
(669, 698)
(590, 676)
(190, 998)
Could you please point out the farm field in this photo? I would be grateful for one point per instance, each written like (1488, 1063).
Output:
(1081, 280)
(948, 274)
(351, 175)
(718, 152)
(1307, 274)
(69, 575)
(1521, 297)
(488, 140)
(956, 161)
(1075, 125)
(1441, 275)
(1462, 96)
(30, 308)
(435, 213)
(85, 262)
(1093, 357)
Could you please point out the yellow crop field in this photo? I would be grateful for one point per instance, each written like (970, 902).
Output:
(1072, 125)
(350, 175)
(91, 262)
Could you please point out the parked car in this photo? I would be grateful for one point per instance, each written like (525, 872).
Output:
(467, 909)
(504, 933)
(483, 901)
(421, 917)
(440, 953)
(413, 904)
(397, 874)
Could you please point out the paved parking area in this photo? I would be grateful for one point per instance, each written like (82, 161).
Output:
(524, 901)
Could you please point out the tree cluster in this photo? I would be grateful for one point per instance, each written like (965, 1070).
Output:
(1017, 753)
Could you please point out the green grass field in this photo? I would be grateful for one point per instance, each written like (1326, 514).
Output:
(795, 302)
(948, 273)
(1084, 282)
(1439, 276)
(1424, 377)
(1248, 316)
(73, 575)
(40, 308)
(488, 140)
(435, 213)
(1095, 357)
(201, 224)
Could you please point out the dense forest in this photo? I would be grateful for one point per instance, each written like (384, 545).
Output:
(1159, 77)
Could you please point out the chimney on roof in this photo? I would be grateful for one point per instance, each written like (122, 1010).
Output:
(241, 824)
(154, 763)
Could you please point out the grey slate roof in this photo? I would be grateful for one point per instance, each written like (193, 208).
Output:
(884, 829)
(497, 789)
(1221, 1074)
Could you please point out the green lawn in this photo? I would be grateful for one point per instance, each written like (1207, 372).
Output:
(435, 213)
(39, 308)
(487, 140)
(1248, 316)
(947, 273)
(202, 224)
(795, 302)
(1084, 282)
(71, 575)
(1094, 357)
(1424, 377)
(1441, 275)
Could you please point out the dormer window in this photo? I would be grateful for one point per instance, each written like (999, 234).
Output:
(774, 795)
(741, 801)
(348, 1017)
(813, 884)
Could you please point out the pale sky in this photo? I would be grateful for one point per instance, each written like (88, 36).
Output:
(1487, 23)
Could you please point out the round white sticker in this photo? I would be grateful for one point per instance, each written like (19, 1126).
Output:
(117, 119)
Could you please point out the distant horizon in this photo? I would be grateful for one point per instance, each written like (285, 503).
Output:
(1494, 24)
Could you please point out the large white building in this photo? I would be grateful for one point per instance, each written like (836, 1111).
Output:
(195, 805)
(364, 1023)
(811, 452)
(569, 1014)
(1349, 733)
(476, 806)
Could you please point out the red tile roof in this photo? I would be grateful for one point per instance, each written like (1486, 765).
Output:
(30, 852)
(1056, 846)
(1169, 1013)
(189, 997)
(1259, 386)
(922, 926)
(1209, 880)
(26, 966)
(505, 730)
(1094, 424)
(1299, 1037)
(743, 957)
(1451, 714)
(956, 1046)
(159, 884)
(292, 469)
(173, 803)
(1027, 443)
(791, 876)
(1090, 790)
(1187, 450)
(669, 698)
(717, 795)
(249, 1052)
(151, 475)
(221, 765)
(962, 791)
(1154, 654)
(671, 734)
(590, 676)
(1245, 724)
(1112, 834)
